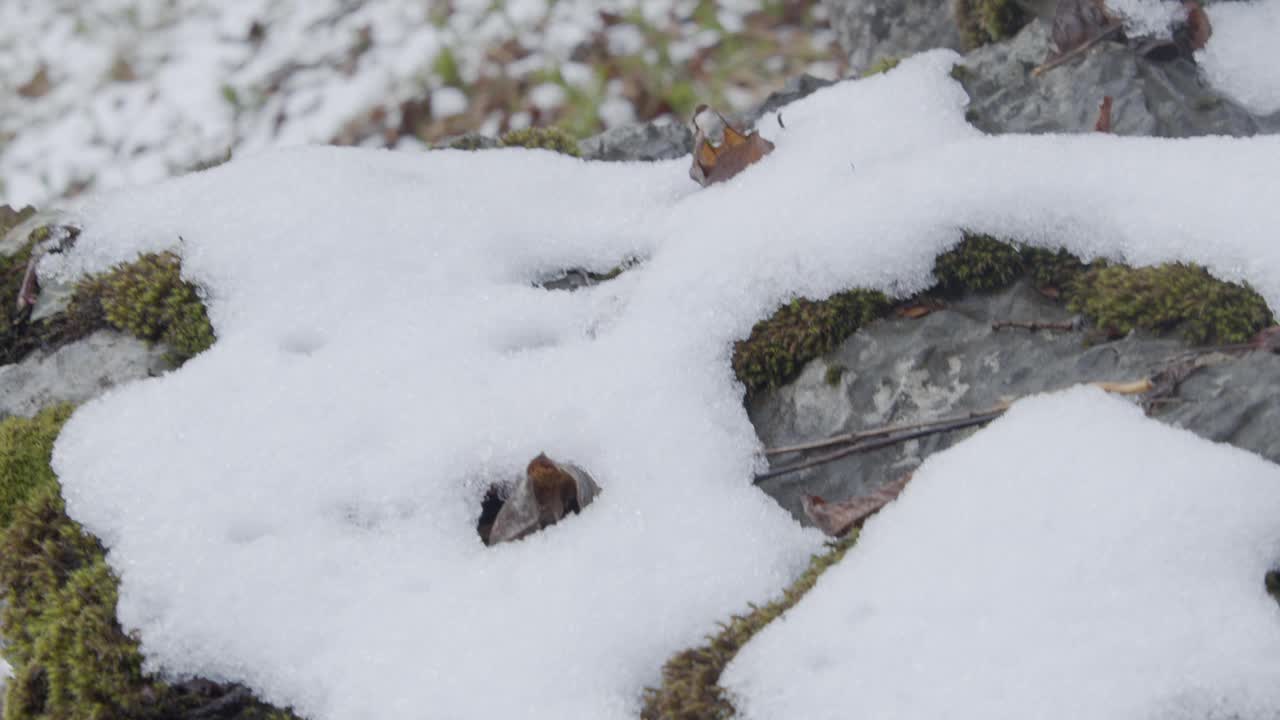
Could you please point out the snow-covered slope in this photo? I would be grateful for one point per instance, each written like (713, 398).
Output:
(295, 508)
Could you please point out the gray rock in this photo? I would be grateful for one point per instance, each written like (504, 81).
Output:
(796, 88)
(951, 363)
(871, 30)
(1150, 98)
(646, 141)
(76, 372)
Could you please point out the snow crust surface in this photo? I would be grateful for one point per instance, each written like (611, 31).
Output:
(1239, 58)
(1072, 560)
(294, 509)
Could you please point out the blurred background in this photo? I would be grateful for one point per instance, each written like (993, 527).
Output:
(96, 94)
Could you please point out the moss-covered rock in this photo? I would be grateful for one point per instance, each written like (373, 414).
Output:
(25, 448)
(1170, 297)
(987, 21)
(883, 65)
(690, 687)
(149, 299)
(548, 138)
(778, 347)
(980, 263)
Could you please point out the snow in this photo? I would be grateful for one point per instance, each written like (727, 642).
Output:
(1238, 59)
(294, 509)
(1072, 560)
(1148, 17)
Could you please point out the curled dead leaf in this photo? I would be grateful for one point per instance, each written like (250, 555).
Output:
(1198, 28)
(738, 150)
(547, 493)
(839, 517)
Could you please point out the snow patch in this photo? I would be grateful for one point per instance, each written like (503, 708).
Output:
(1240, 57)
(1073, 560)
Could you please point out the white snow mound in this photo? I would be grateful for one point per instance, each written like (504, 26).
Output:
(1240, 57)
(1073, 560)
(294, 509)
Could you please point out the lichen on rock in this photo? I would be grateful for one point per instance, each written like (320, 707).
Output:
(545, 138)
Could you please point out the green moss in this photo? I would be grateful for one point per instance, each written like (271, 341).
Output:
(980, 263)
(882, 65)
(1056, 269)
(986, 21)
(26, 444)
(778, 347)
(834, 373)
(149, 299)
(549, 138)
(445, 67)
(690, 681)
(1170, 297)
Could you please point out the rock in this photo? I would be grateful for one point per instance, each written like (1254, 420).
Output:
(795, 89)
(1150, 98)
(951, 363)
(76, 372)
(871, 30)
(647, 141)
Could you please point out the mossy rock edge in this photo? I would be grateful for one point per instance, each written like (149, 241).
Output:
(1174, 298)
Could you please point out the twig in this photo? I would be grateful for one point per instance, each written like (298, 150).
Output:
(1048, 65)
(868, 440)
(1034, 326)
(883, 442)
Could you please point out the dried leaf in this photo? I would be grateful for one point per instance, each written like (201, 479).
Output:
(838, 518)
(914, 312)
(738, 150)
(38, 86)
(1104, 116)
(1267, 339)
(546, 494)
(1198, 27)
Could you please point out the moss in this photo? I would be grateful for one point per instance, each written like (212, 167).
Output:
(1057, 269)
(71, 659)
(987, 21)
(1170, 297)
(778, 347)
(980, 263)
(26, 445)
(690, 681)
(882, 65)
(834, 374)
(149, 299)
(545, 138)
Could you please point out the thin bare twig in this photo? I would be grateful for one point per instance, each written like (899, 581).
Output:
(1105, 33)
(1034, 326)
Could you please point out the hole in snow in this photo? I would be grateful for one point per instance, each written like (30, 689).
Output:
(302, 342)
(548, 492)
(577, 278)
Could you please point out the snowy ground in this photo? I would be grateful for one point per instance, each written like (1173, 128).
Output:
(295, 508)
(117, 92)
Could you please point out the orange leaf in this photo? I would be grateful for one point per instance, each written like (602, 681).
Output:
(713, 164)
(914, 312)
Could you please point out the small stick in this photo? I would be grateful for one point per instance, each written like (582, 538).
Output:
(877, 443)
(1033, 326)
(860, 435)
(1048, 65)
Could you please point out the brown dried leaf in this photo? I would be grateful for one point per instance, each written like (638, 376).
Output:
(838, 518)
(914, 312)
(547, 493)
(738, 150)
(1104, 116)
(1198, 26)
